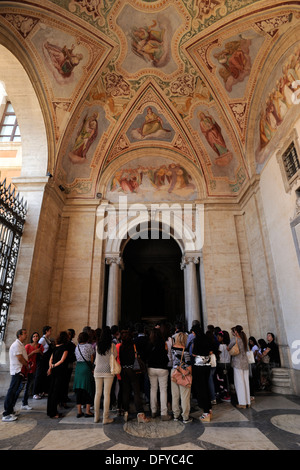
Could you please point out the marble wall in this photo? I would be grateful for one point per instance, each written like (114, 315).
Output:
(224, 290)
(279, 207)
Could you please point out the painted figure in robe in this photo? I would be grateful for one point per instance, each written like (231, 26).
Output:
(86, 136)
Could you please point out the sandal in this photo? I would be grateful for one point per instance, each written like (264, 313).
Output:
(58, 416)
(205, 418)
(142, 418)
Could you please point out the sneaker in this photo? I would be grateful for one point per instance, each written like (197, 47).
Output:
(175, 419)
(26, 407)
(9, 418)
(213, 402)
(186, 421)
(37, 397)
(226, 398)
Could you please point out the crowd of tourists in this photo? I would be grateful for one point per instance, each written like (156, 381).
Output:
(169, 369)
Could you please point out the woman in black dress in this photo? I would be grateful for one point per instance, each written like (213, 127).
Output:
(202, 348)
(57, 371)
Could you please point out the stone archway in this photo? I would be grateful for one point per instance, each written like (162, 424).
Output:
(190, 262)
(33, 179)
(29, 115)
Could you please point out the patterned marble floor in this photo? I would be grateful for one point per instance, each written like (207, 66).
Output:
(272, 423)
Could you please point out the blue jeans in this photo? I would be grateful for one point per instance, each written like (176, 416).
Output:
(29, 382)
(12, 393)
(211, 383)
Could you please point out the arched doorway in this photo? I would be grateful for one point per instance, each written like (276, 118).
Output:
(152, 281)
(187, 264)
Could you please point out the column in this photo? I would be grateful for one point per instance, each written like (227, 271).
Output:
(192, 307)
(114, 287)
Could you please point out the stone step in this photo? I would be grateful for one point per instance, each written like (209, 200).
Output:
(281, 382)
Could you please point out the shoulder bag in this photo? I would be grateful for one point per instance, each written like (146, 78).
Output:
(234, 351)
(250, 357)
(213, 360)
(115, 367)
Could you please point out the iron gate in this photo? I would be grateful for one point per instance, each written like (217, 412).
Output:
(12, 218)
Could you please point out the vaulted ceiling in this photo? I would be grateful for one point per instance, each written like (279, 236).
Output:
(209, 85)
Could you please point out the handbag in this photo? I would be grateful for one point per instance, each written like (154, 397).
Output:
(182, 376)
(266, 359)
(250, 357)
(234, 351)
(202, 360)
(138, 365)
(213, 360)
(115, 367)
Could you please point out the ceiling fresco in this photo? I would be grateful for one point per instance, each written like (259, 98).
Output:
(203, 84)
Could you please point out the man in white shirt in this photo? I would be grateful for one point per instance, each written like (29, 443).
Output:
(17, 359)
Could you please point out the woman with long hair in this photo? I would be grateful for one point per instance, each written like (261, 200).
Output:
(103, 376)
(202, 348)
(254, 378)
(240, 367)
(157, 359)
(57, 371)
(130, 379)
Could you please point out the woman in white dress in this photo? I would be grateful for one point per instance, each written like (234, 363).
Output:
(240, 367)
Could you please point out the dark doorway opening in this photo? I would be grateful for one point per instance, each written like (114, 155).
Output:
(152, 282)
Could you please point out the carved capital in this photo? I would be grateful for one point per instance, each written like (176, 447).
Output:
(115, 260)
(185, 260)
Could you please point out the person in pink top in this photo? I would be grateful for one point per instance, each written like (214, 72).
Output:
(34, 351)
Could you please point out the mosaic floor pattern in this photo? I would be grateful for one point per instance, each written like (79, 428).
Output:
(272, 423)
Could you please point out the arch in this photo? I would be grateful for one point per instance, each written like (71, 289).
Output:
(16, 75)
(265, 84)
(170, 154)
